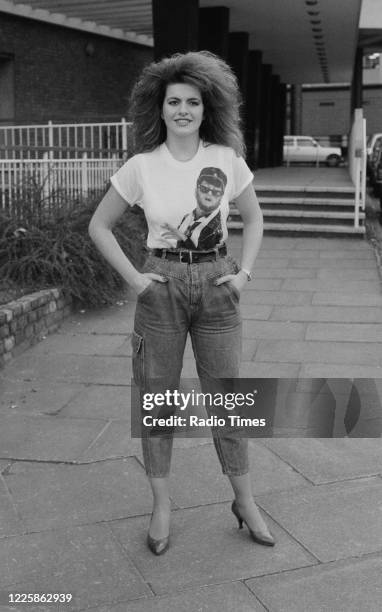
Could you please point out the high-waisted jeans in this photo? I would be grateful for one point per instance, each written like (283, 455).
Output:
(189, 302)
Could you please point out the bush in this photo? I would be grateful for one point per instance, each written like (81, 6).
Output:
(57, 251)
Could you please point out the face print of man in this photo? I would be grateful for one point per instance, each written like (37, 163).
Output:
(209, 190)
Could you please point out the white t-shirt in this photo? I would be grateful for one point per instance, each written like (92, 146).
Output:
(186, 204)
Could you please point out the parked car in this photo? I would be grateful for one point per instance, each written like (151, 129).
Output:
(298, 149)
(374, 143)
(371, 142)
(376, 174)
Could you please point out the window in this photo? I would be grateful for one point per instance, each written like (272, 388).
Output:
(305, 142)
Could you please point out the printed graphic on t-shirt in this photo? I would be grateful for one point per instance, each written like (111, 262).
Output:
(202, 228)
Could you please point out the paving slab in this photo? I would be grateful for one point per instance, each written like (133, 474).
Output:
(255, 311)
(280, 242)
(332, 521)
(268, 473)
(289, 272)
(273, 329)
(33, 397)
(45, 438)
(351, 586)
(249, 347)
(111, 320)
(272, 284)
(331, 314)
(80, 344)
(339, 275)
(189, 368)
(201, 538)
(329, 370)
(124, 350)
(294, 298)
(78, 369)
(266, 263)
(52, 496)
(222, 597)
(350, 263)
(83, 560)
(256, 369)
(333, 244)
(268, 253)
(328, 460)
(339, 298)
(106, 402)
(114, 442)
(345, 332)
(347, 286)
(10, 521)
(4, 464)
(362, 253)
(349, 353)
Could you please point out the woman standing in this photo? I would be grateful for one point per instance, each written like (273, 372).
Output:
(188, 166)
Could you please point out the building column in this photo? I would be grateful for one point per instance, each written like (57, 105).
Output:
(182, 36)
(296, 110)
(214, 30)
(265, 116)
(253, 108)
(356, 86)
(238, 60)
(275, 121)
(282, 123)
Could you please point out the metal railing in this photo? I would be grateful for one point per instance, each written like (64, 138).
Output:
(53, 180)
(65, 140)
(357, 162)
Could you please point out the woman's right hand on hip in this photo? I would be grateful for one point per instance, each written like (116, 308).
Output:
(144, 280)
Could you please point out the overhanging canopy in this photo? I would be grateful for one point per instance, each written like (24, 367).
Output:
(306, 41)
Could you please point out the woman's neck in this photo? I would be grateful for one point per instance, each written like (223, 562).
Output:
(183, 149)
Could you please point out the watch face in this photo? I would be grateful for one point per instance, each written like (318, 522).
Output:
(247, 273)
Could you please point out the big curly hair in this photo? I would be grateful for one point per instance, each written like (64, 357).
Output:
(219, 90)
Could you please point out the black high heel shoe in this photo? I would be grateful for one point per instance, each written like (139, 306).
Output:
(158, 547)
(264, 540)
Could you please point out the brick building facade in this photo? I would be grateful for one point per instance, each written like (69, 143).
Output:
(50, 72)
(326, 110)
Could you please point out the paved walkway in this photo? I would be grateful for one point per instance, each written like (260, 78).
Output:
(312, 177)
(74, 500)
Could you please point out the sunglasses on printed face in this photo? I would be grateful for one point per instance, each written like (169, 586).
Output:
(207, 189)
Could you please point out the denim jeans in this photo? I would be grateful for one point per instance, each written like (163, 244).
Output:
(189, 302)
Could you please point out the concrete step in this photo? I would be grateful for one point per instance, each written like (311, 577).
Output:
(310, 190)
(303, 201)
(304, 228)
(306, 214)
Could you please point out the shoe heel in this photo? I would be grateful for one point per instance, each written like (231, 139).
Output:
(158, 547)
(236, 513)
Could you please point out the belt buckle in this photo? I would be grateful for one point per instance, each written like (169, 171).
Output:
(186, 257)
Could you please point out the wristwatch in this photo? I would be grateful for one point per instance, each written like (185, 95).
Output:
(247, 273)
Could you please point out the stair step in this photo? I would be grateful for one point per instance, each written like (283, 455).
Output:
(307, 214)
(296, 189)
(300, 201)
(304, 228)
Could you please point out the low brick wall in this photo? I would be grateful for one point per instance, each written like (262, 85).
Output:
(27, 320)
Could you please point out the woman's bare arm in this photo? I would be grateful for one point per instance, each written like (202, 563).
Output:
(110, 209)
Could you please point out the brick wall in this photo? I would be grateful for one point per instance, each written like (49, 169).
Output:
(27, 320)
(55, 78)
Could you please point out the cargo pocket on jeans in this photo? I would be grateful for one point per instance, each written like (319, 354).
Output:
(137, 344)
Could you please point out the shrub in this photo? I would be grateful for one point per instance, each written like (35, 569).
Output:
(55, 250)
